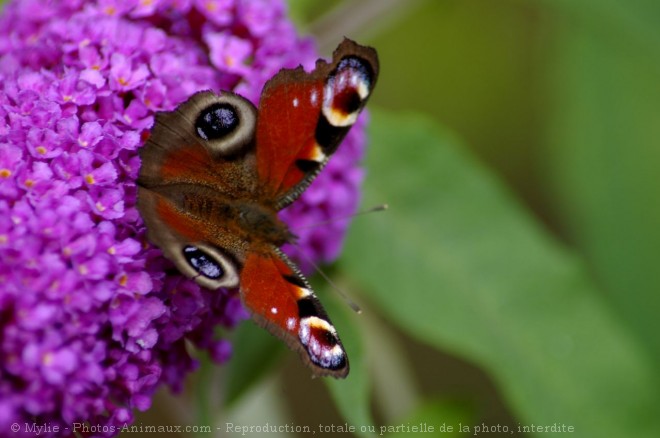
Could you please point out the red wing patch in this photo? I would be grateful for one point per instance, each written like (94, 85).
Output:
(303, 117)
(280, 300)
(289, 111)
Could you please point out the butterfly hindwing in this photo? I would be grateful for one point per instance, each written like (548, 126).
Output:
(281, 300)
(207, 252)
(304, 116)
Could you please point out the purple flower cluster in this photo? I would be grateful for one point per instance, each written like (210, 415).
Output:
(92, 318)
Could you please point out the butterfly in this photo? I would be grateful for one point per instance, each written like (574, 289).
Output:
(216, 170)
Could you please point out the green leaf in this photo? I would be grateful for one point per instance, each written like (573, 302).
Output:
(633, 24)
(255, 353)
(603, 153)
(457, 263)
(433, 418)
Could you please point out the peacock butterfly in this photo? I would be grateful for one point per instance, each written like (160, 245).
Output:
(216, 170)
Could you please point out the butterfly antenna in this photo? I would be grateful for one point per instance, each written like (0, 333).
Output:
(381, 207)
(332, 284)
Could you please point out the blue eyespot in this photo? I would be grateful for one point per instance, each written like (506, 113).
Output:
(203, 263)
(358, 65)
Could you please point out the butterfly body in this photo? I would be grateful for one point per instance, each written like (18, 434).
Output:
(216, 171)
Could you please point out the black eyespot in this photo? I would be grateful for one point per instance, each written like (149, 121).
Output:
(203, 263)
(216, 121)
(330, 339)
(347, 101)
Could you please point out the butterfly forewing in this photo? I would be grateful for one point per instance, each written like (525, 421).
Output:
(304, 116)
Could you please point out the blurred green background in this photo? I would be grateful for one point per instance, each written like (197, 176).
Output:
(514, 280)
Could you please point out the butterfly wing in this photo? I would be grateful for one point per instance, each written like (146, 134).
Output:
(304, 116)
(188, 177)
(281, 300)
(195, 144)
